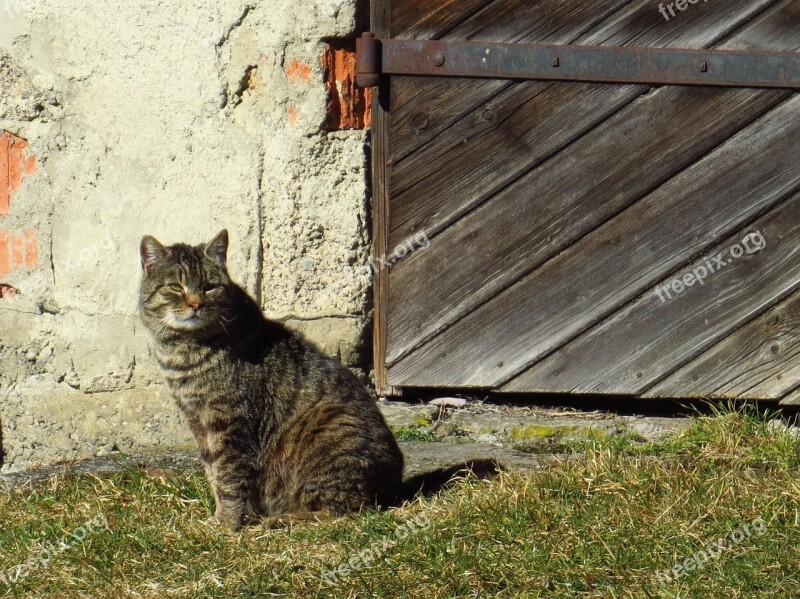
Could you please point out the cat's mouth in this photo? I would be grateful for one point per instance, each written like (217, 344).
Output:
(187, 322)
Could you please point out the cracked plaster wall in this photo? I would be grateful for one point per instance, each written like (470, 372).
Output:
(174, 118)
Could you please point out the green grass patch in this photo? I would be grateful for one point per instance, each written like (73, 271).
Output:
(413, 433)
(601, 524)
(537, 431)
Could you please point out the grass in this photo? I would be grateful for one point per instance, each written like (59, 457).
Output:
(600, 524)
(413, 433)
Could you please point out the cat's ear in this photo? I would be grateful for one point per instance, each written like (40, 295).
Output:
(151, 251)
(218, 247)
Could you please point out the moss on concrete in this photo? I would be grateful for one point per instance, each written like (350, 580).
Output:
(532, 432)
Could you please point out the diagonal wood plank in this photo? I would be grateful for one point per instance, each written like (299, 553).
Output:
(423, 107)
(615, 262)
(593, 22)
(628, 352)
(473, 159)
(519, 229)
(760, 360)
(532, 220)
(793, 399)
(423, 19)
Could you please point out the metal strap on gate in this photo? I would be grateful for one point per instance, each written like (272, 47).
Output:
(603, 64)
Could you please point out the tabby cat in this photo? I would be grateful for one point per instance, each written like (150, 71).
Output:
(282, 429)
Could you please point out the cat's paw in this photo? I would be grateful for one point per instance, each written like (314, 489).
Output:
(229, 524)
(274, 522)
(286, 520)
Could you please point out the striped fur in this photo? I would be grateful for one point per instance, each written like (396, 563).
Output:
(281, 428)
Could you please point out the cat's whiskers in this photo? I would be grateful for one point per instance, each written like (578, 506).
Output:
(222, 324)
(163, 326)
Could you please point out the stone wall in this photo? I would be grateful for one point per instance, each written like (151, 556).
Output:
(174, 118)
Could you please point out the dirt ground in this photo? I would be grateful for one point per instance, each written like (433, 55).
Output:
(518, 436)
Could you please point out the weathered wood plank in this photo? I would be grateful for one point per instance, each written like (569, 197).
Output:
(535, 218)
(423, 19)
(380, 18)
(628, 352)
(445, 101)
(760, 360)
(423, 107)
(473, 159)
(793, 399)
(616, 261)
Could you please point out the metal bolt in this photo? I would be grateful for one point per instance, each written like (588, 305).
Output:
(420, 121)
(438, 58)
(704, 67)
(554, 61)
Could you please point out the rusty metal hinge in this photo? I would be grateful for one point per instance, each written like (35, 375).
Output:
(604, 64)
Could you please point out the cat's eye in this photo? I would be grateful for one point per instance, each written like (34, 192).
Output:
(176, 287)
(210, 288)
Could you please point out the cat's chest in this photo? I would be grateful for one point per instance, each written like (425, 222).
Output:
(195, 376)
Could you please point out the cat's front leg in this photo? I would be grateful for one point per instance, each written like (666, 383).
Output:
(230, 512)
(231, 482)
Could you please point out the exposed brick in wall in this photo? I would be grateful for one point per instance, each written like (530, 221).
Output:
(17, 251)
(298, 72)
(14, 165)
(348, 105)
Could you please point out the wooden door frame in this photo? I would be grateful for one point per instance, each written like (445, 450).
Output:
(380, 23)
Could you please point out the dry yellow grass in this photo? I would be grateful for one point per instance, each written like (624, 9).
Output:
(600, 524)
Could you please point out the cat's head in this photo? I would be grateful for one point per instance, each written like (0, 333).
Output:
(186, 290)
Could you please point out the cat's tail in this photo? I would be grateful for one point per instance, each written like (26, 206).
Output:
(430, 483)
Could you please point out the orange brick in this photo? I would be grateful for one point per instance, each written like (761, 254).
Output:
(14, 165)
(349, 107)
(17, 253)
(5, 261)
(5, 187)
(292, 115)
(31, 251)
(298, 72)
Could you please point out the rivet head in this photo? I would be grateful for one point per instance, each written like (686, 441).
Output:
(420, 121)
(554, 61)
(438, 58)
(704, 67)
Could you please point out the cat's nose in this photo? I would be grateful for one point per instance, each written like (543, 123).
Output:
(196, 306)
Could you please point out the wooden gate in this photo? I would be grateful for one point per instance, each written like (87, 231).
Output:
(577, 237)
